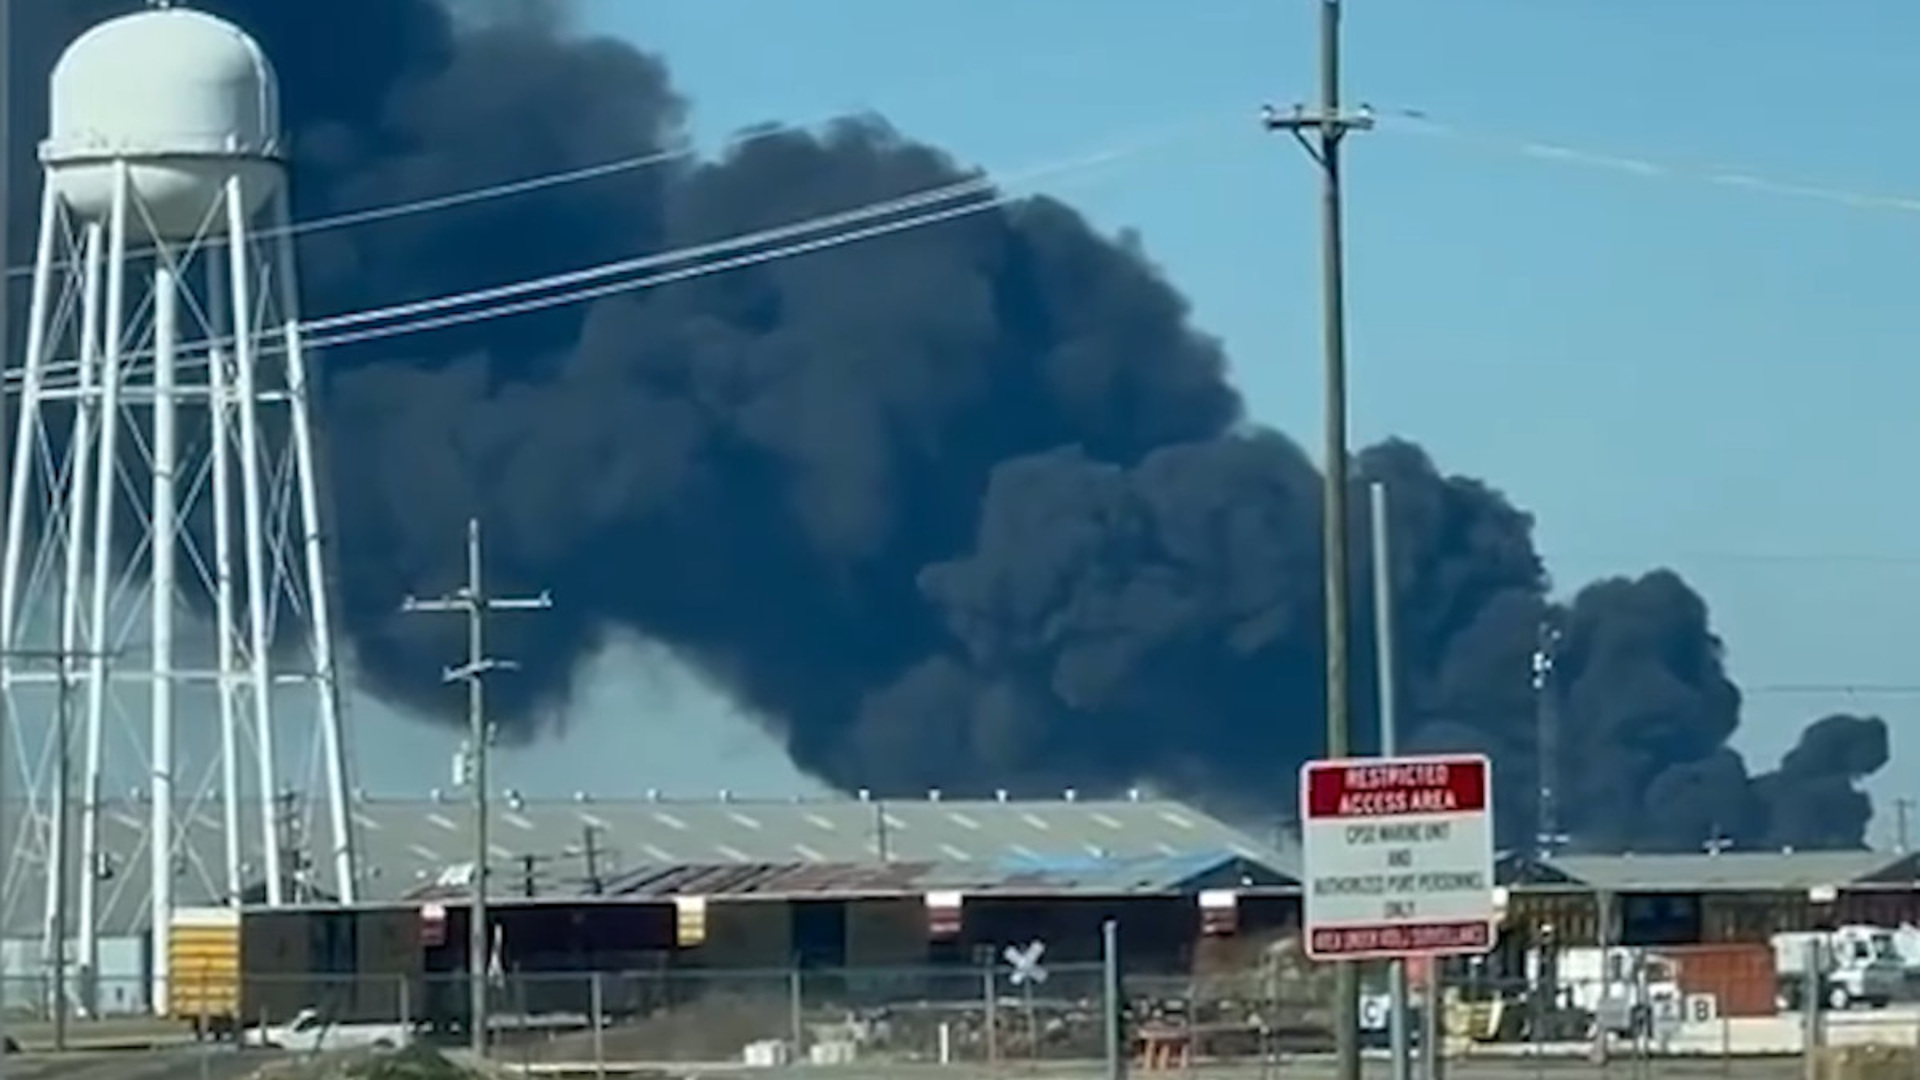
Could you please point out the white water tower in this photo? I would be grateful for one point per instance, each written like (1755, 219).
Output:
(163, 553)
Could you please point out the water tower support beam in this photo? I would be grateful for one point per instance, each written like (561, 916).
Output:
(166, 542)
(226, 648)
(85, 419)
(104, 579)
(320, 613)
(240, 270)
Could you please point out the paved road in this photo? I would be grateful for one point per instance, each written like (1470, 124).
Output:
(218, 1064)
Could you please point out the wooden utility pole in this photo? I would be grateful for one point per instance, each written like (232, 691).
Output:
(1320, 131)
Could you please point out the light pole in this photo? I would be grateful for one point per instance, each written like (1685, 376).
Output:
(473, 601)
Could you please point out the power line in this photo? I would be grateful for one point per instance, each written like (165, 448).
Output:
(979, 184)
(737, 262)
(343, 328)
(1420, 121)
(333, 330)
(989, 191)
(1762, 558)
(1833, 689)
(510, 188)
(1398, 119)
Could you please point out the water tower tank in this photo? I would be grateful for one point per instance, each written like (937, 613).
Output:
(188, 101)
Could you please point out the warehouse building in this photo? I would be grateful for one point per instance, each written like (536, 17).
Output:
(1709, 897)
(549, 849)
(562, 844)
(729, 883)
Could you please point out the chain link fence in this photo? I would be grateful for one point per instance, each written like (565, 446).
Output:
(1268, 1016)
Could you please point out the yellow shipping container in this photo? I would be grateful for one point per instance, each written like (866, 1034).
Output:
(203, 964)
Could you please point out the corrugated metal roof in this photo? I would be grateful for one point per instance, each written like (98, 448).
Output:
(407, 844)
(1731, 870)
(1153, 874)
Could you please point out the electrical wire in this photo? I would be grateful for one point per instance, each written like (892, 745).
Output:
(981, 185)
(574, 286)
(1414, 119)
(510, 188)
(988, 193)
(1420, 121)
(570, 278)
(1833, 689)
(1748, 558)
(736, 262)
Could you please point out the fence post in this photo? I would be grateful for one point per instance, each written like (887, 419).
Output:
(597, 1003)
(520, 1022)
(406, 1006)
(796, 1019)
(1726, 1038)
(1811, 1000)
(989, 980)
(1115, 1001)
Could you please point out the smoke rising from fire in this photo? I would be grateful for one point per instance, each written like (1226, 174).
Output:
(971, 507)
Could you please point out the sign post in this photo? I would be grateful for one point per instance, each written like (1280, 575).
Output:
(1399, 856)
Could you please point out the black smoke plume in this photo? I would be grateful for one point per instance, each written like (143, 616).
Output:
(970, 507)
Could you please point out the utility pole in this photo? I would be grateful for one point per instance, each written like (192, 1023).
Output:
(61, 838)
(1320, 132)
(1901, 806)
(590, 852)
(473, 601)
(533, 874)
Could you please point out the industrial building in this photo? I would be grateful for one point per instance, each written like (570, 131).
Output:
(415, 852)
(665, 885)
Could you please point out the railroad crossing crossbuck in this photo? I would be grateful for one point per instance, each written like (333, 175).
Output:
(1027, 970)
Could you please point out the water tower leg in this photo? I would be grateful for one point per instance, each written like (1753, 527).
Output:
(226, 619)
(16, 611)
(104, 581)
(252, 497)
(325, 674)
(165, 452)
(59, 875)
(27, 432)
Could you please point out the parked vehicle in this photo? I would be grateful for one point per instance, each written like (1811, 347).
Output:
(308, 1031)
(1850, 967)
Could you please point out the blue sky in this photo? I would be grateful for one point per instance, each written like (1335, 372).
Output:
(1665, 369)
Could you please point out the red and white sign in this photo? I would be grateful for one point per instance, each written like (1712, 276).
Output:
(1399, 856)
(433, 925)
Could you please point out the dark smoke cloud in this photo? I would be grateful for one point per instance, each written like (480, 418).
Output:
(969, 507)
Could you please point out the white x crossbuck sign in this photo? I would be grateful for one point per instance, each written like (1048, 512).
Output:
(1026, 962)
